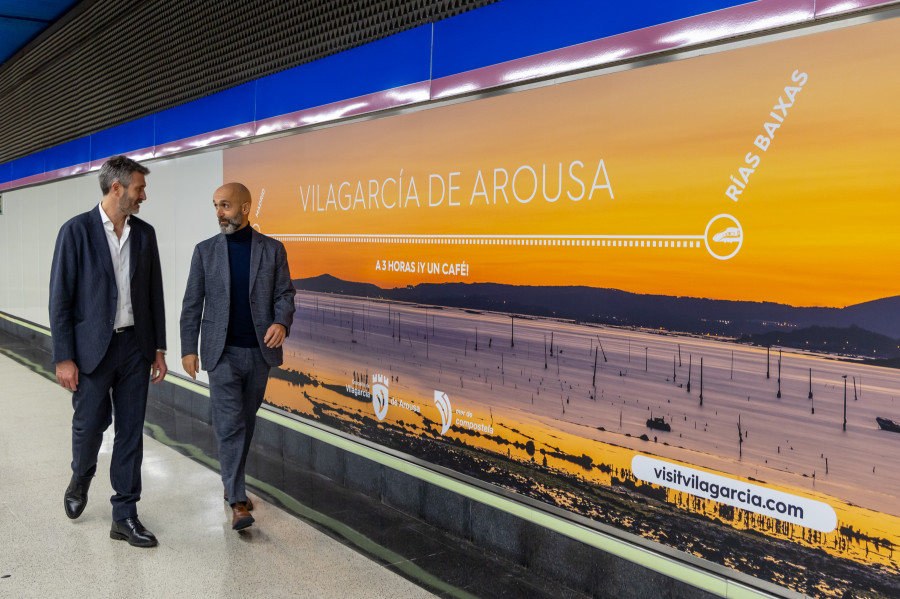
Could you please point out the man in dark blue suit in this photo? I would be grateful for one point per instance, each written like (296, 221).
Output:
(107, 321)
(239, 302)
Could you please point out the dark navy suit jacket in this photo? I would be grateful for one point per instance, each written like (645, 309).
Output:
(207, 297)
(83, 291)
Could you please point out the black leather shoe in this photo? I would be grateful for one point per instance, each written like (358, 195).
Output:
(75, 498)
(131, 530)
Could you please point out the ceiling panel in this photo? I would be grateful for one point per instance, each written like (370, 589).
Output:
(20, 22)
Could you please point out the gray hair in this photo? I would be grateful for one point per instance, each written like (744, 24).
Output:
(119, 168)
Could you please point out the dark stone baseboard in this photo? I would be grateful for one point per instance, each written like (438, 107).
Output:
(185, 415)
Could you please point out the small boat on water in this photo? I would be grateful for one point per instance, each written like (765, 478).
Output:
(887, 425)
(659, 424)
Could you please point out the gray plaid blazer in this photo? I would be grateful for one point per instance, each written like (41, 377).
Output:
(207, 298)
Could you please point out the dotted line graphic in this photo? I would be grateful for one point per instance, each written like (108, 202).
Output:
(723, 230)
(609, 241)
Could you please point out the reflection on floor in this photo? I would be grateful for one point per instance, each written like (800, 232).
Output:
(313, 538)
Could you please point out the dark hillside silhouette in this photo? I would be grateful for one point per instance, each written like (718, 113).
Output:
(860, 329)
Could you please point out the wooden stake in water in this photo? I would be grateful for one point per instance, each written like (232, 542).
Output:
(812, 404)
(779, 375)
(690, 363)
(545, 351)
(601, 348)
(845, 401)
(701, 381)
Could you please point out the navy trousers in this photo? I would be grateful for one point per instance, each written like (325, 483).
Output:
(237, 386)
(117, 386)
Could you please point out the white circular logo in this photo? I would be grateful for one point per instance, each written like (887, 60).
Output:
(723, 236)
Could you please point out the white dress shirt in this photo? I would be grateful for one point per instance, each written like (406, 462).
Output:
(120, 252)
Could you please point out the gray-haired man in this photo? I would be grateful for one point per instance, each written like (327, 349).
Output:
(108, 328)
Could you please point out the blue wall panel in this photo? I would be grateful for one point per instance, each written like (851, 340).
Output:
(225, 109)
(518, 28)
(68, 154)
(134, 135)
(28, 165)
(385, 64)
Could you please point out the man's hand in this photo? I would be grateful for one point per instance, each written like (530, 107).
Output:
(67, 374)
(191, 365)
(275, 335)
(158, 370)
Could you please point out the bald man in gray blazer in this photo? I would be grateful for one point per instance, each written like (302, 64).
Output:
(239, 301)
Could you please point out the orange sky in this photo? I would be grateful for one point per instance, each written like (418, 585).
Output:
(820, 214)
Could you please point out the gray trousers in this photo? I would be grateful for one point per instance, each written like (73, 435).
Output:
(237, 386)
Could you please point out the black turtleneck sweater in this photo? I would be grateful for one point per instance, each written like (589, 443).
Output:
(240, 320)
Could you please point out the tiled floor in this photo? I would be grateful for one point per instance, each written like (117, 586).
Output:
(312, 538)
(44, 554)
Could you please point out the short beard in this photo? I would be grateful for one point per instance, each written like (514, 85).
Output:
(126, 204)
(233, 225)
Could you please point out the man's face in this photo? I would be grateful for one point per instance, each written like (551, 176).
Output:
(229, 212)
(133, 195)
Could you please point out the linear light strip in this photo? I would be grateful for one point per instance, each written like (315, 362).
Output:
(27, 325)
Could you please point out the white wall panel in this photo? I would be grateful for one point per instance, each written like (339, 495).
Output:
(179, 206)
(5, 250)
(13, 219)
(30, 260)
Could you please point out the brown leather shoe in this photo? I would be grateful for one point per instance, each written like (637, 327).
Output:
(249, 503)
(241, 518)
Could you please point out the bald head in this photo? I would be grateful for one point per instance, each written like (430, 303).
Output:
(236, 192)
(232, 203)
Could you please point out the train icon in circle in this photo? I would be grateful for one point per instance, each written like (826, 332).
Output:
(723, 237)
(729, 235)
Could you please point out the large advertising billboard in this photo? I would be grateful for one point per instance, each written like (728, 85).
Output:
(664, 299)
